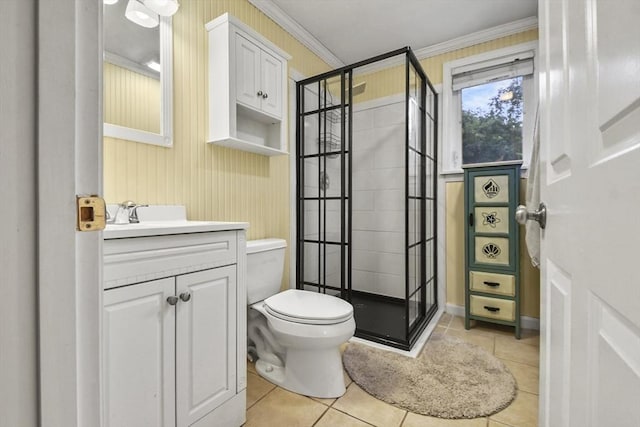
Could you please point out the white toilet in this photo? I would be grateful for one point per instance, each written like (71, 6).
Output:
(296, 334)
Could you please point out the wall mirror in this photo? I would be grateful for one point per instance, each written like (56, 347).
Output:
(137, 74)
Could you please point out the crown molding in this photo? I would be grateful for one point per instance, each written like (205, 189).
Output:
(297, 31)
(471, 39)
(306, 38)
(478, 37)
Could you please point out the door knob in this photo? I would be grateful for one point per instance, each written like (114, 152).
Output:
(265, 96)
(259, 93)
(522, 215)
(172, 300)
(185, 296)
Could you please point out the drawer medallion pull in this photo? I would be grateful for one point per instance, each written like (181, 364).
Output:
(494, 284)
(491, 309)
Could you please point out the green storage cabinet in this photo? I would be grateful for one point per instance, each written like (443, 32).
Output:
(492, 260)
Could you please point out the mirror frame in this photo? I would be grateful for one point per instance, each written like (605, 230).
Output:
(165, 137)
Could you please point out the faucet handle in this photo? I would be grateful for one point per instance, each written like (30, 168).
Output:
(133, 213)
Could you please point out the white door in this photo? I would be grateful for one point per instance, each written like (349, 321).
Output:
(271, 75)
(205, 342)
(69, 163)
(248, 89)
(590, 181)
(138, 333)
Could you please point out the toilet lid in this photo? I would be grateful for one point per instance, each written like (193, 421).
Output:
(308, 307)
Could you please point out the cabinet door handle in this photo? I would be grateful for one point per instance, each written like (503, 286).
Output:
(491, 309)
(494, 284)
(172, 300)
(471, 219)
(185, 296)
(259, 93)
(265, 96)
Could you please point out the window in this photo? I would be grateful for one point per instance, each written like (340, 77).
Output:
(492, 121)
(489, 108)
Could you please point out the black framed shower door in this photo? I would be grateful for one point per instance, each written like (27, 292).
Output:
(388, 272)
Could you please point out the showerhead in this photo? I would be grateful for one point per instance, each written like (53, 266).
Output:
(359, 88)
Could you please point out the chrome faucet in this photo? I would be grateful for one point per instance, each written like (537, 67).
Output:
(127, 213)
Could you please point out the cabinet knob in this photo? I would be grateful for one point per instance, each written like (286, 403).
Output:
(172, 300)
(265, 96)
(185, 296)
(259, 93)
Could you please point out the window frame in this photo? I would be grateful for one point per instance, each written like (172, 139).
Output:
(451, 142)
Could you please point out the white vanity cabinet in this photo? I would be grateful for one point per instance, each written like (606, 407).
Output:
(174, 331)
(247, 88)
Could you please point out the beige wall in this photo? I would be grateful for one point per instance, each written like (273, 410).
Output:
(215, 183)
(455, 226)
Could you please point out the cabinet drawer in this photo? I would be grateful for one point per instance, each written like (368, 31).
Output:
(141, 259)
(501, 284)
(493, 308)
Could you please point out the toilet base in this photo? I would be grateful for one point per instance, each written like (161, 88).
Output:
(315, 373)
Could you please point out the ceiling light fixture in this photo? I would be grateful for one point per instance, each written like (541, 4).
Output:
(162, 7)
(154, 66)
(141, 15)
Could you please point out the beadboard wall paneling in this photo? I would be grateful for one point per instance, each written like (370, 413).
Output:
(131, 99)
(215, 183)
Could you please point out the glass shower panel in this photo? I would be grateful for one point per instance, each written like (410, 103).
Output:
(311, 101)
(361, 187)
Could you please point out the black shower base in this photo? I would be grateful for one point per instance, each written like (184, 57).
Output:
(383, 320)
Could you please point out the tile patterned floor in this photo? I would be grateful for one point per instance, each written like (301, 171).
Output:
(271, 406)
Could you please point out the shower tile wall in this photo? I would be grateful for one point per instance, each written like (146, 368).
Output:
(379, 200)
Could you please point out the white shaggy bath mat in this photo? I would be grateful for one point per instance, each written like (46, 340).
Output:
(450, 379)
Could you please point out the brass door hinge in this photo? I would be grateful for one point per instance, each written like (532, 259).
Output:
(91, 213)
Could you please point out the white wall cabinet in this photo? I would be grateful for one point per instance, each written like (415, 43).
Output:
(174, 350)
(247, 88)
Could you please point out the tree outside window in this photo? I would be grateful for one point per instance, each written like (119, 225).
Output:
(492, 116)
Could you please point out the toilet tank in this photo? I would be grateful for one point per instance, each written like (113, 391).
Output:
(265, 265)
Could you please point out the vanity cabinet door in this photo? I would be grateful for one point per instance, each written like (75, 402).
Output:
(139, 355)
(206, 342)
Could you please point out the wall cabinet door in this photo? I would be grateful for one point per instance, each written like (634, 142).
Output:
(205, 342)
(139, 355)
(248, 79)
(271, 86)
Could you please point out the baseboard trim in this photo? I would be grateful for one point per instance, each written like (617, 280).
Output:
(526, 322)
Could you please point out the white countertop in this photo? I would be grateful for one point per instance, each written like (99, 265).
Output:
(165, 220)
(163, 228)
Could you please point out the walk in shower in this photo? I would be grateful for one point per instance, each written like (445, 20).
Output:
(366, 193)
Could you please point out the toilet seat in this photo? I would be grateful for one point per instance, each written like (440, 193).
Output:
(308, 307)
